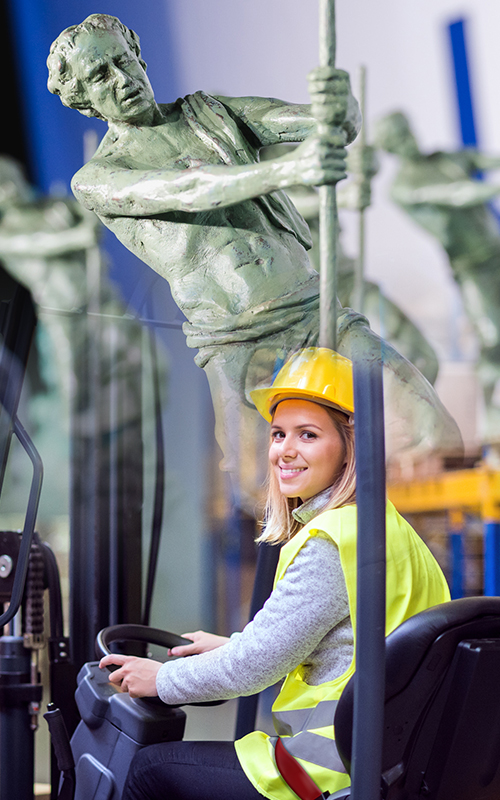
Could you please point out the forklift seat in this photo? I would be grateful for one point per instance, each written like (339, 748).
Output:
(441, 738)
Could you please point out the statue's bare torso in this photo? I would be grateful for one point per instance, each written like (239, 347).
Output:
(218, 262)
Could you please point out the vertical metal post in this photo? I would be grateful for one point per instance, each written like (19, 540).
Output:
(17, 742)
(114, 503)
(328, 215)
(492, 557)
(359, 266)
(370, 615)
(88, 608)
(456, 550)
(17, 327)
(106, 483)
(232, 559)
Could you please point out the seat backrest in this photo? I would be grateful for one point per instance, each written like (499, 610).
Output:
(442, 705)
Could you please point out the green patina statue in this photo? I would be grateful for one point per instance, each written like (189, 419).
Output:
(443, 194)
(89, 352)
(50, 244)
(181, 185)
(384, 315)
(43, 245)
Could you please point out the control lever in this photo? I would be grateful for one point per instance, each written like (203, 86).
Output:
(62, 749)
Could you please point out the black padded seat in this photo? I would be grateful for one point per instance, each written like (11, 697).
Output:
(442, 705)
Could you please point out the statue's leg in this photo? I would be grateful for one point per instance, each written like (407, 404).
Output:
(416, 420)
(233, 370)
(480, 287)
(488, 372)
(390, 322)
(393, 324)
(239, 430)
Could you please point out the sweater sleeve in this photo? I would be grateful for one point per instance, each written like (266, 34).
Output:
(306, 604)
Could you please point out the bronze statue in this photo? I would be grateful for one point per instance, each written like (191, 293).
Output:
(442, 193)
(181, 186)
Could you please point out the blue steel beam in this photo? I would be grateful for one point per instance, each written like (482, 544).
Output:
(465, 106)
(492, 558)
(456, 549)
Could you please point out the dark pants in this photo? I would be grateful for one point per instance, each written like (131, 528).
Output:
(188, 771)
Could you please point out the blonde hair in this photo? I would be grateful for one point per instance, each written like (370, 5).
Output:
(279, 524)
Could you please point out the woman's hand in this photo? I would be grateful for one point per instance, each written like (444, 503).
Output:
(137, 676)
(202, 643)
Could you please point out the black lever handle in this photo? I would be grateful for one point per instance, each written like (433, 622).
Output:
(62, 749)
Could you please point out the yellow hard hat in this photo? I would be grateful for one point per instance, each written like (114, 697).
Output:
(314, 373)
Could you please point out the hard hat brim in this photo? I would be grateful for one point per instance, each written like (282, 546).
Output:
(266, 400)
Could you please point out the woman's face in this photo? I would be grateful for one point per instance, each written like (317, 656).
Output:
(306, 452)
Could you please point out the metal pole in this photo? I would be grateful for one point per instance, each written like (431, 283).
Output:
(17, 736)
(29, 523)
(359, 267)
(370, 614)
(328, 216)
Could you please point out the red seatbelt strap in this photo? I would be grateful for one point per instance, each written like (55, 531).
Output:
(295, 775)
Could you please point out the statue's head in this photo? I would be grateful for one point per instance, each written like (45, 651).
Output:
(394, 135)
(14, 188)
(96, 67)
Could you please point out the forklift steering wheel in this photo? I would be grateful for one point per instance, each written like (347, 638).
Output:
(135, 633)
(142, 633)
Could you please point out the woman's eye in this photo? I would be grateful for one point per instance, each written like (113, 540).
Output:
(308, 435)
(277, 435)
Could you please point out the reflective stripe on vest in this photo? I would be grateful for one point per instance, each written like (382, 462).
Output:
(314, 748)
(289, 723)
(297, 726)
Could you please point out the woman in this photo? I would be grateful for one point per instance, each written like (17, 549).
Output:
(306, 629)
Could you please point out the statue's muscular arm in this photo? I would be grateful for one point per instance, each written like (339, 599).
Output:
(483, 161)
(31, 243)
(110, 187)
(456, 194)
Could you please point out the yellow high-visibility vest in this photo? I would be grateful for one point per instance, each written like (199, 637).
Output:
(303, 714)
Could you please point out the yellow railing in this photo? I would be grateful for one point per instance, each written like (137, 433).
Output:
(476, 490)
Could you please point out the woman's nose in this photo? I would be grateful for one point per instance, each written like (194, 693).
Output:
(288, 449)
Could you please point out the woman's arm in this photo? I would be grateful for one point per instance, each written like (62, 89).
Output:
(203, 642)
(306, 604)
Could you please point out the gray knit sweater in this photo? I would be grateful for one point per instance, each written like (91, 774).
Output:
(305, 621)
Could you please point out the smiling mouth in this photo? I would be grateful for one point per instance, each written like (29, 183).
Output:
(290, 472)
